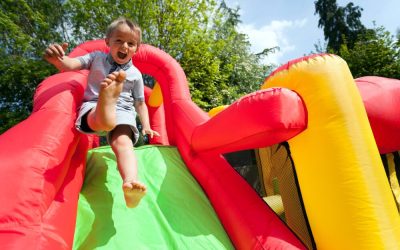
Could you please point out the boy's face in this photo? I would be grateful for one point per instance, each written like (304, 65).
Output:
(123, 43)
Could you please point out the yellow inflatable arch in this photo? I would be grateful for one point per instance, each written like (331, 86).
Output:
(346, 195)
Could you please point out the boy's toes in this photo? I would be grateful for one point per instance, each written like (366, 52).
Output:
(121, 76)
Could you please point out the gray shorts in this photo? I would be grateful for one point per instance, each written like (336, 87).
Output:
(125, 116)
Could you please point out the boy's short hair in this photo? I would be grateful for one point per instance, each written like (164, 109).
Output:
(122, 20)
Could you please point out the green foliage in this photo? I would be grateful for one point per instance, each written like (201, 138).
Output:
(341, 25)
(25, 29)
(376, 53)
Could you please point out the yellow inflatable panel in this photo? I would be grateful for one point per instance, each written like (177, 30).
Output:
(393, 168)
(156, 98)
(216, 110)
(275, 203)
(345, 191)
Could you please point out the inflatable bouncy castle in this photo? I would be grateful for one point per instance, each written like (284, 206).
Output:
(326, 148)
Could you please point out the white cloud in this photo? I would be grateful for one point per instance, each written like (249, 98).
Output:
(276, 33)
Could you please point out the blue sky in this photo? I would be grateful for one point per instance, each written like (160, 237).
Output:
(292, 25)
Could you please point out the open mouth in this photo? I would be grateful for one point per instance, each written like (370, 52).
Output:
(121, 55)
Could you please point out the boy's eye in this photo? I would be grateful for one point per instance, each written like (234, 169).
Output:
(131, 44)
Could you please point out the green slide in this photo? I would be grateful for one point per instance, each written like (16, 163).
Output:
(174, 214)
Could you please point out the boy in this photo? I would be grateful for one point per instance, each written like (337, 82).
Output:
(114, 93)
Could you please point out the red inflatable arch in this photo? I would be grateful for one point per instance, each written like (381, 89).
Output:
(43, 157)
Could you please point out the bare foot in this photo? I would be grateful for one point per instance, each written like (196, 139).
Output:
(105, 113)
(133, 193)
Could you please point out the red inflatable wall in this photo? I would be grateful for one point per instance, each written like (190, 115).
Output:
(381, 97)
(41, 169)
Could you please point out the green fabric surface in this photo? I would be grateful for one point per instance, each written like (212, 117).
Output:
(174, 214)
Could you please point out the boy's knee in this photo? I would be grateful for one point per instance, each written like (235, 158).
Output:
(98, 124)
(121, 141)
(108, 126)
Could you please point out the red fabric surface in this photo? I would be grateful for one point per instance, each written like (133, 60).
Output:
(381, 97)
(37, 157)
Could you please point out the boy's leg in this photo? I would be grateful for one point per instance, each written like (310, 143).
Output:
(122, 146)
(103, 117)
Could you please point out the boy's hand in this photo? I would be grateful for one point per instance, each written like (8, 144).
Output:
(148, 131)
(55, 52)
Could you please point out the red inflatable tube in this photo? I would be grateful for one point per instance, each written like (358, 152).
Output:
(265, 117)
(381, 97)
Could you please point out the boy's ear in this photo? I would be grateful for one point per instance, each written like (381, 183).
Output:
(107, 42)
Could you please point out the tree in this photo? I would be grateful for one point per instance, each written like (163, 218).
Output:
(25, 29)
(366, 51)
(375, 53)
(242, 69)
(341, 25)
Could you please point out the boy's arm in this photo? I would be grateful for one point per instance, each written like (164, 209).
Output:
(143, 113)
(55, 54)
